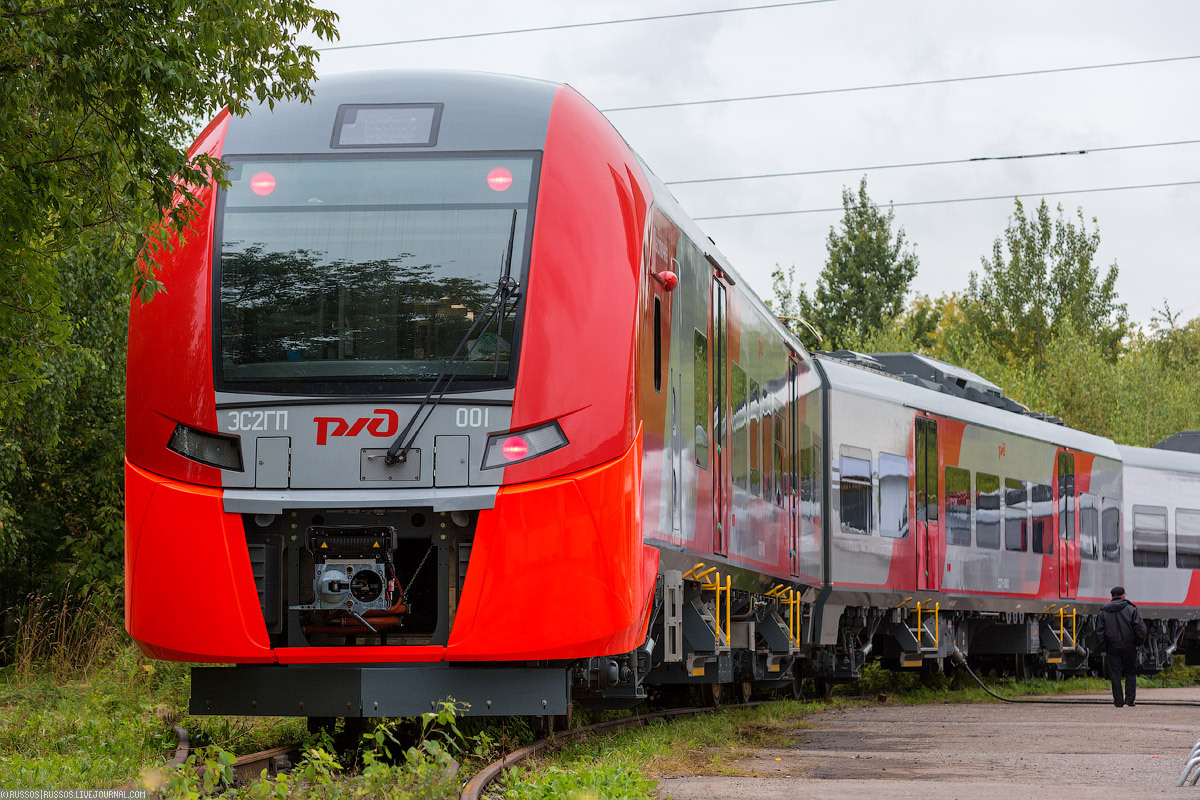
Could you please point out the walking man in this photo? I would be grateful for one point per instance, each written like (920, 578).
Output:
(1120, 631)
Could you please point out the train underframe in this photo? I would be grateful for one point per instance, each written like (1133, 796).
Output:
(706, 638)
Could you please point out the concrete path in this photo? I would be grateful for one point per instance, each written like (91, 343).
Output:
(972, 752)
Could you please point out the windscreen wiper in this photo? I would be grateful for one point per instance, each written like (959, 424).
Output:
(506, 287)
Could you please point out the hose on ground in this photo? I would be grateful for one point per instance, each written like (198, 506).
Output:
(961, 660)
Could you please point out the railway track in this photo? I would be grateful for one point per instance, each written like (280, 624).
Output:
(492, 772)
(246, 768)
(249, 767)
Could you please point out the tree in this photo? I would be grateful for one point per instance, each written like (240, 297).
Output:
(787, 307)
(99, 101)
(1039, 281)
(865, 278)
(98, 104)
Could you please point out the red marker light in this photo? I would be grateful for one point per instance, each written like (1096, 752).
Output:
(515, 448)
(499, 179)
(669, 280)
(262, 184)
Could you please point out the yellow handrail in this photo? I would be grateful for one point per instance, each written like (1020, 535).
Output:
(722, 634)
(1062, 614)
(937, 625)
(795, 619)
(729, 610)
(692, 571)
(702, 575)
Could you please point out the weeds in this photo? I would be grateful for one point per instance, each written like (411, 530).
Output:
(80, 707)
(424, 770)
(61, 638)
(107, 721)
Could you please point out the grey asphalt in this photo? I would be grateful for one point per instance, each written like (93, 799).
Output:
(971, 752)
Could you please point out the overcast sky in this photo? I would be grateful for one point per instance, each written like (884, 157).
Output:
(1153, 234)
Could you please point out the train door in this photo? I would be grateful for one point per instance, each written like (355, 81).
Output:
(1068, 550)
(791, 500)
(722, 490)
(928, 531)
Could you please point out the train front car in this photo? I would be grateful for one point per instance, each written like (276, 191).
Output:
(381, 448)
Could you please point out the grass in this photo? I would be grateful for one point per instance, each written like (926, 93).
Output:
(81, 708)
(626, 764)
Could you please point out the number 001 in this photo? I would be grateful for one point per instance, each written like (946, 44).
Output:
(472, 417)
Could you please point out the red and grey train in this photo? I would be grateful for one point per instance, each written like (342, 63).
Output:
(447, 397)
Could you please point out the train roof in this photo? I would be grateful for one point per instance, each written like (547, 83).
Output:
(1184, 441)
(1154, 458)
(872, 383)
(478, 111)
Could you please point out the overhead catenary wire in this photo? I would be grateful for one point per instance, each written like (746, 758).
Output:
(900, 84)
(977, 159)
(571, 25)
(1008, 196)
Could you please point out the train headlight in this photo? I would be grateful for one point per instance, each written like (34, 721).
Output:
(517, 446)
(222, 452)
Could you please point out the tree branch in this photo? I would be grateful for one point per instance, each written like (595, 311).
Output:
(37, 12)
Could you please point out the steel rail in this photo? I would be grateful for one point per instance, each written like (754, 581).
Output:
(247, 767)
(489, 774)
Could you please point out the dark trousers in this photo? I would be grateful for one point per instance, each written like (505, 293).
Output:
(1123, 664)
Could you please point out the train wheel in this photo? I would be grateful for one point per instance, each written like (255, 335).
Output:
(744, 690)
(823, 687)
(562, 722)
(321, 724)
(712, 694)
(541, 725)
(350, 738)
(796, 689)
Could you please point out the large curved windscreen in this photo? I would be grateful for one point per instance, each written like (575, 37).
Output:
(344, 270)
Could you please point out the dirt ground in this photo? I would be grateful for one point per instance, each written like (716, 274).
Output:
(973, 752)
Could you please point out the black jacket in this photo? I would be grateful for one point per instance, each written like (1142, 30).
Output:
(1119, 626)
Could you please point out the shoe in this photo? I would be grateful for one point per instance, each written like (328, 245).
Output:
(1118, 705)
(1131, 703)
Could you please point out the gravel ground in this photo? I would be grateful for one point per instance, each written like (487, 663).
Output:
(972, 751)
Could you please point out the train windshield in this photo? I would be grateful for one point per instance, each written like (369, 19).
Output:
(370, 270)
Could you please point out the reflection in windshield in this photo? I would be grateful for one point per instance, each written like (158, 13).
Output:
(352, 271)
(296, 307)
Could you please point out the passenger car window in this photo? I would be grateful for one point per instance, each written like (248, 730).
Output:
(1016, 515)
(1043, 518)
(958, 506)
(1149, 536)
(780, 475)
(1089, 526)
(987, 511)
(893, 496)
(755, 440)
(855, 491)
(741, 418)
(700, 396)
(1110, 529)
(1187, 538)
